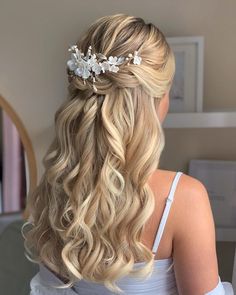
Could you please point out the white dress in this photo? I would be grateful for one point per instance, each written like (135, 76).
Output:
(162, 281)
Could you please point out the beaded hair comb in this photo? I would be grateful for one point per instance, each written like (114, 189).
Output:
(91, 65)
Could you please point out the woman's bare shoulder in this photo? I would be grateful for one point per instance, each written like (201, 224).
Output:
(191, 191)
(191, 200)
(187, 184)
(194, 244)
(194, 237)
(190, 195)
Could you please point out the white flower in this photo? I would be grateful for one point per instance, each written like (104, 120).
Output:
(96, 68)
(82, 70)
(137, 59)
(115, 60)
(72, 65)
(94, 65)
(105, 66)
(114, 69)
(112, 60)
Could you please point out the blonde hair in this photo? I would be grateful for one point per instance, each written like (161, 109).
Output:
(90, 208)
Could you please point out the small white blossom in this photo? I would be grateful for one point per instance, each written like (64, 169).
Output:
(97, 69)
(114, 60)
(82, 70)
(137, 59)
(114, 69)
(105, 66)
(72, 65)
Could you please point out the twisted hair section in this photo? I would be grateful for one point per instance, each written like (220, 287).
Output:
(90, 208)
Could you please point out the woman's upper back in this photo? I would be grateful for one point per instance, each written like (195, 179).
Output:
(193, 240)
(179, 227)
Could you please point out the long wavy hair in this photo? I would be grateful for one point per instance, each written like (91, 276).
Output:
(89, 210)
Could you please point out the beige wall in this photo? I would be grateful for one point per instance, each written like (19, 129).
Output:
(35, 36)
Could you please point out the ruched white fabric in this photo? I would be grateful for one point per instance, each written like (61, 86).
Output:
(161, 282)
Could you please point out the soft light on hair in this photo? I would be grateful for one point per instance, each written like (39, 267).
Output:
(90, 208)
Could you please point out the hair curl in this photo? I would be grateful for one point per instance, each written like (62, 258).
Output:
(93, 200)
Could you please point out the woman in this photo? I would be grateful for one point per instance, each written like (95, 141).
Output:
(99, 212)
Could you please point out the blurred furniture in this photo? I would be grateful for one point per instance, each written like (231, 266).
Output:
(200, 120)
(219, 178)
(16, 270)
(8, 218)
(227, 261)
(12, 130)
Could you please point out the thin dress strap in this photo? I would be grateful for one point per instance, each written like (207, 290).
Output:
(169, 200)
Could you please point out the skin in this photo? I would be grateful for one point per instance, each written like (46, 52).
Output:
(189, 234)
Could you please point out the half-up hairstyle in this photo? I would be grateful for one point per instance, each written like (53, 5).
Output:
(90, 208)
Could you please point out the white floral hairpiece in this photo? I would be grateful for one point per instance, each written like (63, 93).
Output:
(91, 65)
